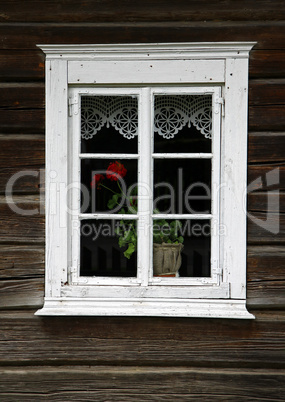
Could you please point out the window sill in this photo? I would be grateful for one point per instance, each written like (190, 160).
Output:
(151, 307)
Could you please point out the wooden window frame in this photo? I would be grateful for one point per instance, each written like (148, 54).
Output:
(220, 69)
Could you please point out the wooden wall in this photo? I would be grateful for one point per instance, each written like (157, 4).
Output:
(128, 359)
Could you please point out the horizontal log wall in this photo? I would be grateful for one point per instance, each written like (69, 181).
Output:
(138, 358)
(144, 384)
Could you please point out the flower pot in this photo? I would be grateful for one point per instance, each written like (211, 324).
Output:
(166, 259)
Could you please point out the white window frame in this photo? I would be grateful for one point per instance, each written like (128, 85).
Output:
(219, 69)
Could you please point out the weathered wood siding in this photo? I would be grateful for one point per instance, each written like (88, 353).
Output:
(127, 359)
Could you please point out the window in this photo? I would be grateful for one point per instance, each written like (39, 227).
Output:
(145, 179)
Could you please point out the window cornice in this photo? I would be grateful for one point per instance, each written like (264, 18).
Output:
(158, 51)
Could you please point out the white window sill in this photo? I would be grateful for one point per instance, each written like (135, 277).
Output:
(146, 307)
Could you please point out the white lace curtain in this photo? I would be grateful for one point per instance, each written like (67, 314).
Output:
(171, 114)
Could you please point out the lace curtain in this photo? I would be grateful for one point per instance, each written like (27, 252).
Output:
(171, 114)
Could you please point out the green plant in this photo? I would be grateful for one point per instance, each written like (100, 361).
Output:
(167, 232)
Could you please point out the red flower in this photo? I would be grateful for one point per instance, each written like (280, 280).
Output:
(115, 171)
(97, 178)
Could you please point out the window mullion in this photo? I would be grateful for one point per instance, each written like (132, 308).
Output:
(144, 187)
(75, 183)
(216, 269)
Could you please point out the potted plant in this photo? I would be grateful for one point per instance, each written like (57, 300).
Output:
(167, 244)
(167, 247)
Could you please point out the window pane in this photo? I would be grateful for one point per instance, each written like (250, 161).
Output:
(181, 248)
(109, 124)
(182, 123)
(182, 186)
(100, 251)
(108, 185)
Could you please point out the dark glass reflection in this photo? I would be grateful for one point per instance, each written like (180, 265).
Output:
(188, 140)
(100, 251)
(182, 186)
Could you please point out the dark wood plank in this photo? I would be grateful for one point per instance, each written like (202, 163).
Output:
(267, 63)
(22, 95)
(85, 383)
(31, 179)
(266, 147)
(27, 121)
(140, 341)
(266, 202)
(265, 228)
(266, 294)
(266, 276)
(24, 220)
(22, 108)
(22, 65)
(267, 92)
(20, 293)
(266, 263)
(264, 177)
(155, 10)
(21, 151)
(21, 261)
(267, 118)
(23, 156)
(268, 35)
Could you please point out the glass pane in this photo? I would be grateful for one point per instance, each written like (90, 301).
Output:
(181, 248)
(182, 186)
(108, 185)
(106, 248)
(109, 124)
(182, 123)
